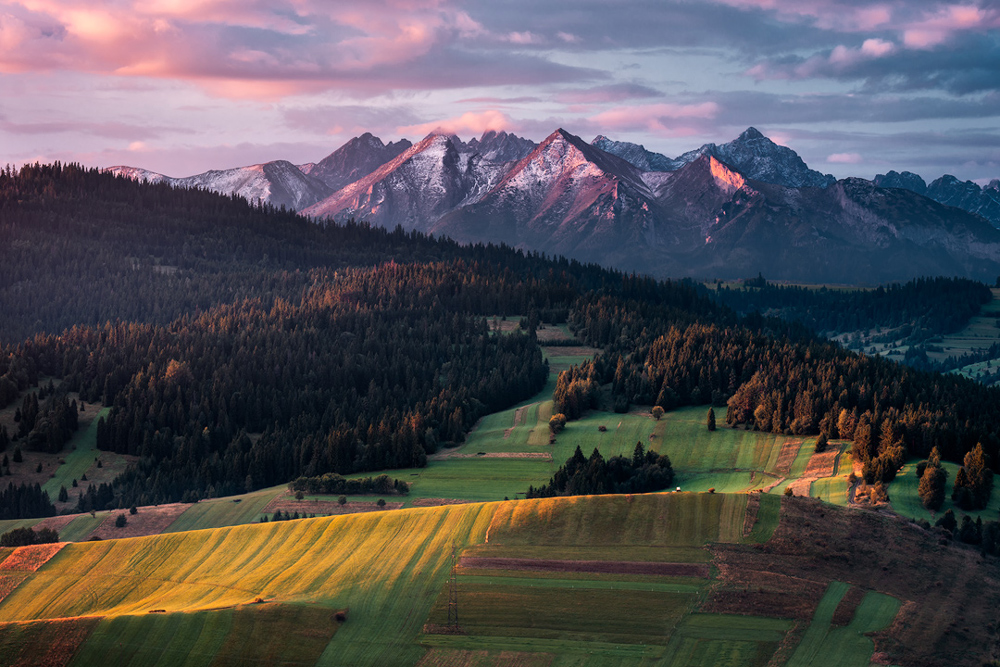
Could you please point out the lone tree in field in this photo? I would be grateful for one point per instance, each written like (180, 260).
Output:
(821, 443)
(657, 412)
(974, 481)
(121, 521)
(557, 422)
(931, 487)
(710, 420)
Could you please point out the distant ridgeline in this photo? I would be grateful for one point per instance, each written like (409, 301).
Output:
(200, 320)
(922, 307)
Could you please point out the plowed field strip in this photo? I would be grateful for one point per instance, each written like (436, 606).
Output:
(595, 566)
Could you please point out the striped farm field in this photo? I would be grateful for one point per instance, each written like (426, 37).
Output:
(706, 640)
(575, 613)
(222, 512)
(188, 598)
(271, 634)
(678, 519)
(387, 567)
(829, 646)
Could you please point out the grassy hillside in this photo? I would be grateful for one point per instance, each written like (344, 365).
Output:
(657, 579)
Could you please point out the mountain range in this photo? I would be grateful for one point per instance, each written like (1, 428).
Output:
(721, 211)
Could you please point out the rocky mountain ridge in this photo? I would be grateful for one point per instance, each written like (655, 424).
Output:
(723, 211)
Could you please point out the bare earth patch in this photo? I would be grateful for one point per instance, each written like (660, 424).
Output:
(9, 581)
(750, 517)
(786, 457)
(594, 566)
(56, 523)
(437, 502)
(819, 466)
(147, 521)
(29, 559)
(848, 605)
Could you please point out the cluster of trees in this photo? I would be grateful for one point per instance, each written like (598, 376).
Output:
(774, 376)
(973, 481)
(922, 307)
(99, 497)
(985, 534)
(285, 516)
(932, 481)
(26, 537)
(332, 483)
(646, 471)
(46, 427)
(24, 501)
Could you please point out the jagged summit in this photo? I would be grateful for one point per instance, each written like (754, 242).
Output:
(356, 159)
(636, 154)
(752, 153)
(906, 180)
(759, 158)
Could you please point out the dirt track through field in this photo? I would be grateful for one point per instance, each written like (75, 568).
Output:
(786, 457)
(819, 466)
(594, 566)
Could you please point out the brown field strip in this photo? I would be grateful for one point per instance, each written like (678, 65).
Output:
(819, 466)
(446, 657)
(16, 567)
(288, 505)
(591, 566)
(29, 559)
(437, 502)
(43, 643)
(750, 517)
(147, 521)
(786, 457)
(848, 605)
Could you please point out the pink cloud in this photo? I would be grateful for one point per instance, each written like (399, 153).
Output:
(845, 158)
(826, 14)
(304, 46)
(654, 117)
(946, 22)
(470, 123)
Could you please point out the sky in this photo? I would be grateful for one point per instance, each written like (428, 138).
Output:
(182, 86)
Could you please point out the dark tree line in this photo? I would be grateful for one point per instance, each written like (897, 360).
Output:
(332, 483)
(924, 306)
(644, 472)
(26, 537)
(24, 502)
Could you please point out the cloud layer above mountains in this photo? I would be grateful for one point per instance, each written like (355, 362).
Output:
(165, 83)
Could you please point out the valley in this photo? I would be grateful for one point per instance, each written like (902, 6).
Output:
(279, 349)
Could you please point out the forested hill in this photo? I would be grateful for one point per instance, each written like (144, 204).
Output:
(240, 347)
(81, 247)
(921, 308)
